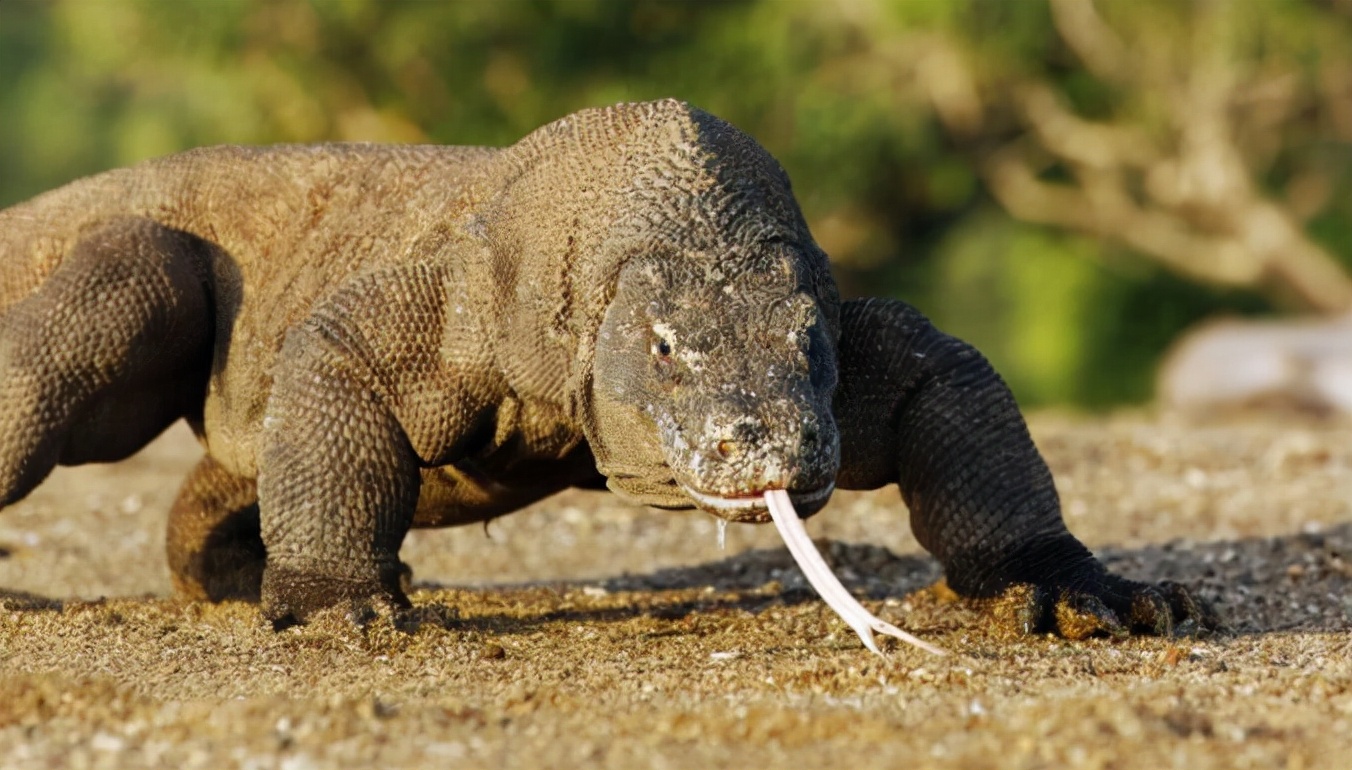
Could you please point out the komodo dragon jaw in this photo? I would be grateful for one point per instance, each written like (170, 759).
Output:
(754, 508)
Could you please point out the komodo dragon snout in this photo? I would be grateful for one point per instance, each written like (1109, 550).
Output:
(725, 379)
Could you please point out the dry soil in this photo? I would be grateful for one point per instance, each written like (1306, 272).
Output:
(586, 633)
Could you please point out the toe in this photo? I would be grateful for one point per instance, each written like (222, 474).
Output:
(1082, 615)
(1021, 609)
(1195, 616)
(1150, 612)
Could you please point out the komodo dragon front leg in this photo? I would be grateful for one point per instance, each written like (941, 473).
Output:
(338, 477)
(924, 410)
(365, 397)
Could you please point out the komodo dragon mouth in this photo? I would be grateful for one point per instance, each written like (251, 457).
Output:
(752, 508)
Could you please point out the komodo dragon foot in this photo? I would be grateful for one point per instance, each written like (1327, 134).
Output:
(1112, 606)
(292, 596)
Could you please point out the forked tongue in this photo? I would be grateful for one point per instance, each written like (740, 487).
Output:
(826, 583)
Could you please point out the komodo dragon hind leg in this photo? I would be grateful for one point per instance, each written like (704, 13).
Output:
(926, 411)
(214, 546)
(112, 348)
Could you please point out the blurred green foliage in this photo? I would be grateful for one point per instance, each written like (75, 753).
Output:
(857, 99)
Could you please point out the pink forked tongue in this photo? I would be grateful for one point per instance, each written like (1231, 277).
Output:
(825, 581)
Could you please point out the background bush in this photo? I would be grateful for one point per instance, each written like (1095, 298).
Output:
(1066, 185)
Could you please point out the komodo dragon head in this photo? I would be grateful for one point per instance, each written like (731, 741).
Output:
(715, 361)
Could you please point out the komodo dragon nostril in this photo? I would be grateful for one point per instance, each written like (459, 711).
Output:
(810, 434)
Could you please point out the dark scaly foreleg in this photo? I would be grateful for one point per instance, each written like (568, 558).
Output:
(339, 472)
(337, 486)
(926, 411)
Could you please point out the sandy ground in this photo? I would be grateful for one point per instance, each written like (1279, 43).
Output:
(584, 633)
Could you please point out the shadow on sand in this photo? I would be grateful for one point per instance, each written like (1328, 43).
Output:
(1289, 583)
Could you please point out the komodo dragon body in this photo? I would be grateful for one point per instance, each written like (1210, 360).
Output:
(372, 338)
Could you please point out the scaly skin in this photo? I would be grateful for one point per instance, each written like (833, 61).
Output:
(368, 339)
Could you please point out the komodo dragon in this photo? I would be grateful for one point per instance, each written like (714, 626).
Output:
(371, 338)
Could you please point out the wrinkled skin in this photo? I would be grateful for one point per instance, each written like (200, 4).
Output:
(368, 339)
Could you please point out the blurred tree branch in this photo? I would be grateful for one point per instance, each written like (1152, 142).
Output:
(1183, 194)
(1200, 100)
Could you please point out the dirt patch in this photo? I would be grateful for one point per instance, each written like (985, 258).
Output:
(587, 633)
